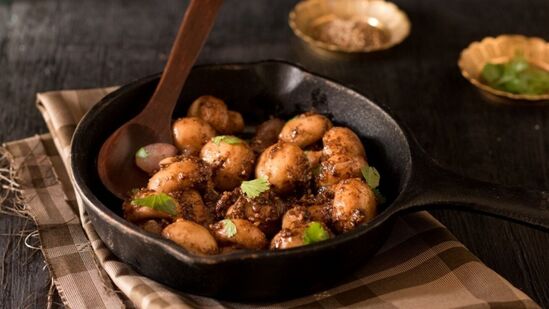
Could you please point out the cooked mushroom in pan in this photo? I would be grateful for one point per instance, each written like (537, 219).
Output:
(294, 183)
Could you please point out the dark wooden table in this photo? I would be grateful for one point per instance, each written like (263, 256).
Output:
(56, 44)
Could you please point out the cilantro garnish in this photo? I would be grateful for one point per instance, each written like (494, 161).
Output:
(371, 175)
(142, 153)
(516, 76)
(229, 228)
(253, 188)
(314, 233)
(228, 139)
(157, 201)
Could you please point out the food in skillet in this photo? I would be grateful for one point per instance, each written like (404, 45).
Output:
(292, 184)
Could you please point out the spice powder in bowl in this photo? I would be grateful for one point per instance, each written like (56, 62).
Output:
(351, 34)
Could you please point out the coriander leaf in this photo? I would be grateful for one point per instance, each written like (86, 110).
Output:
(314, 233)
(254, 188)
(379, 197)
(228, 139)
(142, 153)
(517, 65)
(157, 201)
(491, 73)
(516, 85)
(229, 228)
(371, 175)
(516, 76)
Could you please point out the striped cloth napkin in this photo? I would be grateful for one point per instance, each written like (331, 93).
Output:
(421, 265)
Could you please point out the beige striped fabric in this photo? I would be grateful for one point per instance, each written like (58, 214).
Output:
(421, 265)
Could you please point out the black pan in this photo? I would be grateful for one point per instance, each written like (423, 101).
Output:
(410, 180)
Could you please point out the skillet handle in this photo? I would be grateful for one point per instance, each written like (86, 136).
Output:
(450, 190)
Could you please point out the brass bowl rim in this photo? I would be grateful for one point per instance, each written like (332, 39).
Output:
(477, 83)
(336, 48)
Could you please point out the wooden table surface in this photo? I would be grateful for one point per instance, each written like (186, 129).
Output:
(56, 44)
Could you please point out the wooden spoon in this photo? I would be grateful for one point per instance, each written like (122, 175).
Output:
(115, 163)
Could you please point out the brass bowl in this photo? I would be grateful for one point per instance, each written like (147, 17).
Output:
(499, 50)
(383, 23)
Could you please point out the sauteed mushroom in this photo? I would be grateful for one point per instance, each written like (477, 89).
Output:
(340, 140)
(286, 238)
(240, 233)
(305, 129)
(285, 166)
(339, 167)
(266, 134)
(354, 203)
(192, 207)
(184, 173)
(191, 236)
(134, 212)
(310, 179)
(215, 112)
(264, 211)
(300, 234)
(191, 133)
(231, 159)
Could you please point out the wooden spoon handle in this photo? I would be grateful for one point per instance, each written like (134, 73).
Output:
(193, 32)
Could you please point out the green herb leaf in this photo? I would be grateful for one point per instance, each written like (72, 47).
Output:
(379, 196)
(517, 65)
(157, 201)
(492, 72)
(516, 76)
(371, 175)
(314, 233)
(228, 139)
(229, 228)
(142, 153)
(254, 188)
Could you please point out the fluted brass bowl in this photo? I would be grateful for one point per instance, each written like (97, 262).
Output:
(388, 25)
(499, 50)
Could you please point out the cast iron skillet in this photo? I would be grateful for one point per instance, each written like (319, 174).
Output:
(410, 180)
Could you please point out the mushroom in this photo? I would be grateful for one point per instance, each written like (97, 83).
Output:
(285, 166)
(192, 206)
(183, 173)
(138, 213)
(339, 167)
(231, 159)
(266, 134)
(341, 140)
(215, 112)
(264, 211)
(191, 133)
(239, 232)
(191, 236)
(354, 203)
(305, 129)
